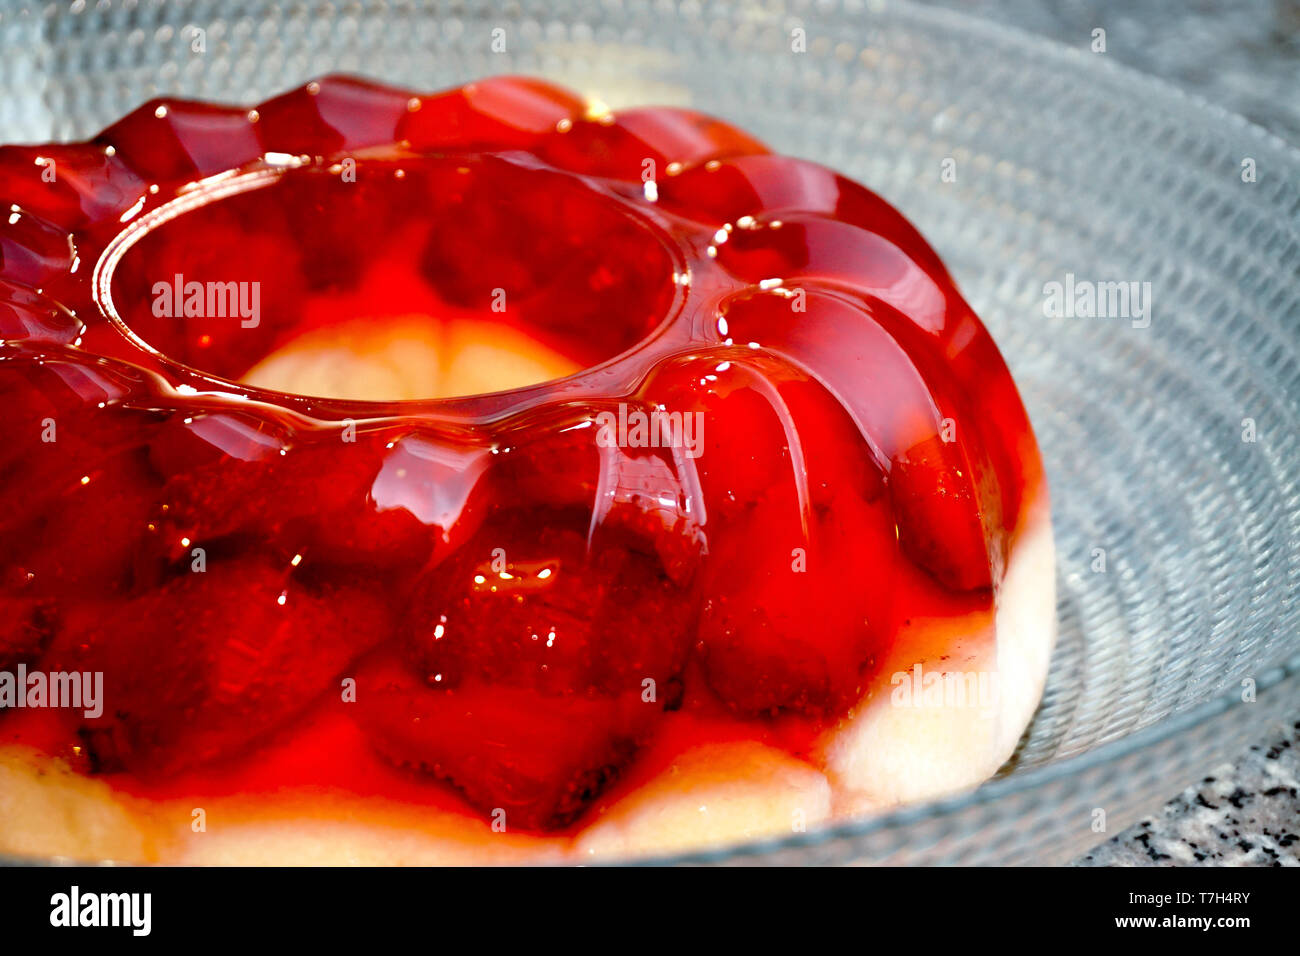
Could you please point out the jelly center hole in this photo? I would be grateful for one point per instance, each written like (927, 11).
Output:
(387, 279)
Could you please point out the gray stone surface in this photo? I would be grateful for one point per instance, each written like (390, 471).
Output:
(1245, 813)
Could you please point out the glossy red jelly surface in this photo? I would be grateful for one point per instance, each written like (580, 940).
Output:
(480, 592)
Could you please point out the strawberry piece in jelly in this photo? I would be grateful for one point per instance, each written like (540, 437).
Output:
(788, 530)
(224, 656)
(540, 760)
(554, 638)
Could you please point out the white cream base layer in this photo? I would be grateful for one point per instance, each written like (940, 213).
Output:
(890, 750)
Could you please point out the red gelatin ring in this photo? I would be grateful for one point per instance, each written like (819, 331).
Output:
(520, 599)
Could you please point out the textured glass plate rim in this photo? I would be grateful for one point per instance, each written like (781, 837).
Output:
(1154, 90)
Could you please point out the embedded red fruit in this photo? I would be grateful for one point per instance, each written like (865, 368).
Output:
(25, 626)
(228, 655)
(580, 579)
(797, 582)
(939, 517)
(79, 484)
(171, 302)
(524, 602)
(925, 436)
(540, 759)
(391, 502)
(596, 262)
(545, 649)
(83, 539)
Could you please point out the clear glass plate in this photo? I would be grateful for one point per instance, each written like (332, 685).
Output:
(1064, 165)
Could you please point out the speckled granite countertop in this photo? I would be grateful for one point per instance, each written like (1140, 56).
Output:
(1244, 55)
(1245, 813)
